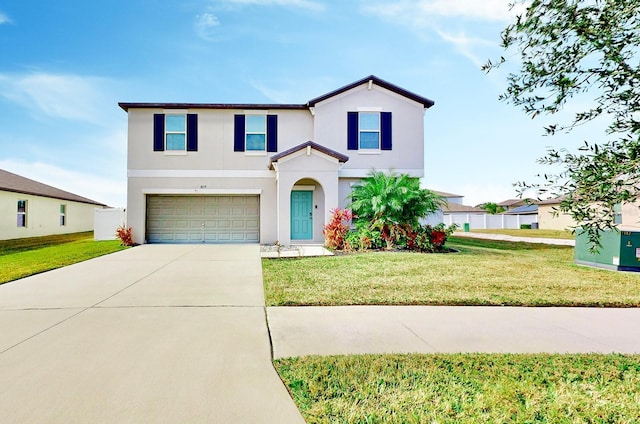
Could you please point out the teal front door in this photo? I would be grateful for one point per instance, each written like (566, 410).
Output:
(301, 215)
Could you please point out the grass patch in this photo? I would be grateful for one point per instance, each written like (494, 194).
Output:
(482, 273)
(557, 234)
(465, 388)
(23, 257)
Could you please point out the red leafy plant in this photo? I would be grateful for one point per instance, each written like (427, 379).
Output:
(125, 235)
(335, 231)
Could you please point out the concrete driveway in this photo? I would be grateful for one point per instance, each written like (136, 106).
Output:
(157, 333)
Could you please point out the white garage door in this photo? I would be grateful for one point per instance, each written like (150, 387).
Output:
(203, 219)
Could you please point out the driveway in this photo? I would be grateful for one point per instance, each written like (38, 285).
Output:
(157, 333)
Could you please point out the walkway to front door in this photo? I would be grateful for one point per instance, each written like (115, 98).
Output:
(301, 215)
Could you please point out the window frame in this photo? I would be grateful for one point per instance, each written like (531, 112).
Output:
(377, 131)
(168, 132)
(21, 223)
(63, 214)
(247, 133)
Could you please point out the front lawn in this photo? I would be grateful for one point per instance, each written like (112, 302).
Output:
(23, 257)
(482, 273)
(465, 388)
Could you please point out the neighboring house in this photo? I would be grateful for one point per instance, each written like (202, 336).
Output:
(510, 204)
(264, 172)
(523, 210)
(547, 218)
(32, 209)
(438, 216)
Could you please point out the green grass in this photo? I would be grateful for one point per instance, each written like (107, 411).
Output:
(465, 388)
(558, 234)
(23, 257)
(482, 273)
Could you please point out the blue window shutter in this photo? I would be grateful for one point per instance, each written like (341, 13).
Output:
(192, 132)
(352, 130)
(158, 132)
(272, 133)
(385, 130)
(238, 133)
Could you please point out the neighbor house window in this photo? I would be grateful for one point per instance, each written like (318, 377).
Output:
(369, 131)
(255, 132)
(175, 132)
(22, 213)
(63, 214)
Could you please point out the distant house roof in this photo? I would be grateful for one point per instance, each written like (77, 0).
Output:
(554, 201)
(523, 210)
(427, 103)
(454, 207)
(445, 194)
(512, 202)
(17, 184)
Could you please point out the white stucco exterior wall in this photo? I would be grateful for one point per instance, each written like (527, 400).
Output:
(43, 216)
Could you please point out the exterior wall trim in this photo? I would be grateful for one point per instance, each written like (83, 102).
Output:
(204, 191)
(192, 173)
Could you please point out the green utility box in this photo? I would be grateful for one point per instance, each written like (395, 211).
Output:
(620, 250)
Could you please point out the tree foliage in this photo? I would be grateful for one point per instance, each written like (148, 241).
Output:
(492, 208)
(388, 202)
(577, 50)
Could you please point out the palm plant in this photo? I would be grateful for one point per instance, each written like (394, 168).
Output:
(391, 203)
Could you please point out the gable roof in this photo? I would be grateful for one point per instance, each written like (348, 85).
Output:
(427, 103)
(374, 80)
(512, 202)
(456, 207)
(341, 158)
(18, 184)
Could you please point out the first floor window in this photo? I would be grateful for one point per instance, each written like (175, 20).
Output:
(63, 214)
(22, 213)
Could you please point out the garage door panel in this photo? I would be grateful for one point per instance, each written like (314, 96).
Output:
(197, 219)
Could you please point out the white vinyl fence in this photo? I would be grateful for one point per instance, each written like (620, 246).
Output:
(106, 221)
(486, 221)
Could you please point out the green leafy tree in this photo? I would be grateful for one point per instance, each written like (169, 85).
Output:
(390, 203)
(492, 208)
(585, 51)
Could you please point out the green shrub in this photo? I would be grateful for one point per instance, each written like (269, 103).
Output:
(525, 226)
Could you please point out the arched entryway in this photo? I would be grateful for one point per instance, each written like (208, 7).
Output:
(307, 211)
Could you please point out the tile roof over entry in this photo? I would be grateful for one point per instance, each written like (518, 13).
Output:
(17, 184)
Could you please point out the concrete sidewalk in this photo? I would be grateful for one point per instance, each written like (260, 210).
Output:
(157, 333)
(299, 331)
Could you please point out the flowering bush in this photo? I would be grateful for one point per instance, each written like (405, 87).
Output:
(125, 235)
(335, 231)
(422, 238)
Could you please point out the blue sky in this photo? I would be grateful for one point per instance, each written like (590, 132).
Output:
(65, 65)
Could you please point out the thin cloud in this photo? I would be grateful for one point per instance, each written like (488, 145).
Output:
(467, 46)
(424, 11)
(64, 96)
(309, 5)
(4, 19)
(206, 25)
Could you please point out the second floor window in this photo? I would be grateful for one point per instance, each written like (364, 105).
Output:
(369, 130)
(175, 132)
(255, 133)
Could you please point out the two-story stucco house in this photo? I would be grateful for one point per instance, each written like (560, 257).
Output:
(219, 173)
